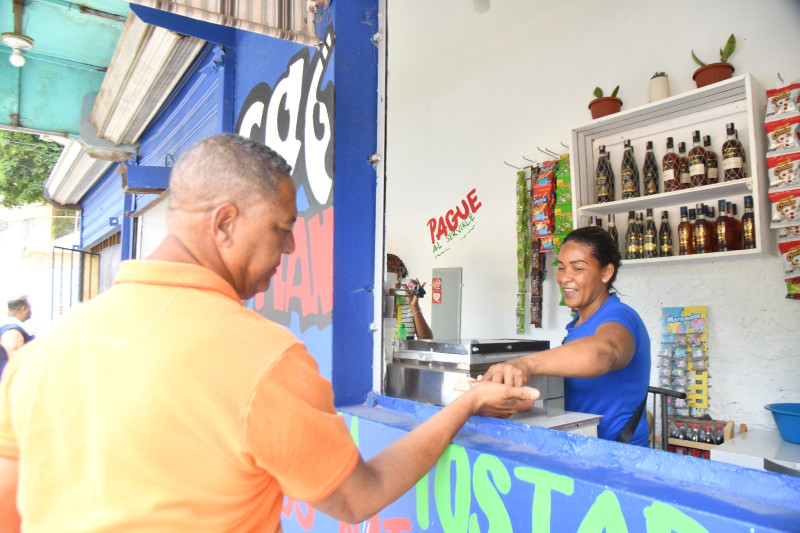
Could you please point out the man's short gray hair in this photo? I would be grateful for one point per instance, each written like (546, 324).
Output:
(226, 167)
(18, 302)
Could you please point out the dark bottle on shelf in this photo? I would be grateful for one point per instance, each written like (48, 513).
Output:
(684, 177)
(650, 171)
(639, 235)
(612, 229)
(630, 237)
(650, 239)
(601, 186)
(665, 236)
(711, 218)
(629, 173)
(748, 224)
(736, 240)
(697, 162)
(702, 232)
(712, 162)
(732, 156)
(670, 168)
(725, 229)
(686, 232)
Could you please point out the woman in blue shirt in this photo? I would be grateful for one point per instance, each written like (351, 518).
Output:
(605, 358)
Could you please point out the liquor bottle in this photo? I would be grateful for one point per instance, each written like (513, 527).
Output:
(612, 229)
(650, 171)
(612, 191)
(602, 191)
(732, 156)
(629, 173)
(702, 232)
(712, 162)
(595, 221)
(650, 240)
(639, 235)
(670, 167)
(711, 218)
(748, 224)
(730, 211)
(665, 236)
(683, 167)
(630, 237)
(697, 162)
(724, 229)
(686, 232)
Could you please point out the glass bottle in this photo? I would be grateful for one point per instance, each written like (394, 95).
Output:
(683, 167)
(732, 156)
(697, 162)
(665, 236)
(612, 229)
(601, 188)
(712, 162)
(650, 171)
(670, 167)
(630, 237)
(736, 240)
(686, 232)
(650, 239)
(702, 232)
(612, 190)
(629, 173)
(639, 235)
(724, 229)
(748, 224)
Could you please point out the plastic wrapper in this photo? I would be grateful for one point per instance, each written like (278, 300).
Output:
(791, 259)
(785, 208)
(783, 170)
(793, 289)
(788, 234)
(783, 100)
(782, 132)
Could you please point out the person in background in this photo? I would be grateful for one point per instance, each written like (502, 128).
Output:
(133, 413)
(605, 358)
(13, 333)
(410, 314)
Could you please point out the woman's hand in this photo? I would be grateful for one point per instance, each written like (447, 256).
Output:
(500, 401)
(514, 372)
(412, 299)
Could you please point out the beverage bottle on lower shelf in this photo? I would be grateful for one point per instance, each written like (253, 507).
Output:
(665, 236)
(693, 434)
(711, 218)
(670, 168)
(739, 231)
(639, 235)
(717, 434)
(702, 232)
(650, 171)
(705, 435)
(748, 224)
(712, 161)
(612, 229)
(650, 238)
(683, 167)
(725, 229)
(686, 232)
(630, 237)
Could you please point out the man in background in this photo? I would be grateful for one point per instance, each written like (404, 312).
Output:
(13, 333)
(164, 404)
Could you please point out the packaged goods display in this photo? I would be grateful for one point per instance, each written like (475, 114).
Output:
(683, 361)
(523, 244)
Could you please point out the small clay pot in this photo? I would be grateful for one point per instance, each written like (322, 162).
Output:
(606, 105)
(712, 73)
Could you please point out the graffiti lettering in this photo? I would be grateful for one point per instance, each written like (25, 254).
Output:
(295, 118)
(445, 225)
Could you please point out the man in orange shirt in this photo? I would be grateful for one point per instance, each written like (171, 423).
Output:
(134, 412)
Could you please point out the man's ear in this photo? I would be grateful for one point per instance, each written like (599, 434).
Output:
(223, 221)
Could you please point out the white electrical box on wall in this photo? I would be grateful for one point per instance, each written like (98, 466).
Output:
(740, 100)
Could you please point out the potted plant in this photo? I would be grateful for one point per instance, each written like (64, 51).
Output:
(714, 72)
(659, 86)
(605, 105)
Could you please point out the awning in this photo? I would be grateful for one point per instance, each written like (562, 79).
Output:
(291, 20)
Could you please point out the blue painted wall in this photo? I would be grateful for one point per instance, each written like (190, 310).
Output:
(103, 201)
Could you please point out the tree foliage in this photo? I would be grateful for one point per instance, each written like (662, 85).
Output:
(25, 163)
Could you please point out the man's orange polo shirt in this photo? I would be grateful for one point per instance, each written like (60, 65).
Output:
(165, 405)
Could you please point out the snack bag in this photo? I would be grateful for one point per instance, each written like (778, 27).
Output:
(782, 132)
(788, 234)
(791, 260)
(783, 100)
(785, 208)
(783, 170)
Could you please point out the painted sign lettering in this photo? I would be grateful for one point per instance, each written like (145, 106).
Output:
(455, 224)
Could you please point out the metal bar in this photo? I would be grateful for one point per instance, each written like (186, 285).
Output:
(71, 270)
(52, 282)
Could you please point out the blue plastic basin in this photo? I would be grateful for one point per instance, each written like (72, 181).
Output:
(787, 418)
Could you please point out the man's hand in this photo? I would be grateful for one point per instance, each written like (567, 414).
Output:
(501, 401)
(514, 372)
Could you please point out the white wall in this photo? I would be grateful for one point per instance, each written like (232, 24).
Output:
(468, 91)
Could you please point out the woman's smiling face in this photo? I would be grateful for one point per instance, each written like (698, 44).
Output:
(581, 278)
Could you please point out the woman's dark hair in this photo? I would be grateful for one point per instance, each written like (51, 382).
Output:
(602, 246)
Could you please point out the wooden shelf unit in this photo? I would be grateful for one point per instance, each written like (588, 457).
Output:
(727, 429)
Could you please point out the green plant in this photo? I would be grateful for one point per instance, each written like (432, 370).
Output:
(659, 75)
(724, 53)
(598, 92)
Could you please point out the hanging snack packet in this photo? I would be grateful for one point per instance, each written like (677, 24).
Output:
(782, 132)
(783, 100)
(783, 170)
(791, 260)
(785, 208)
